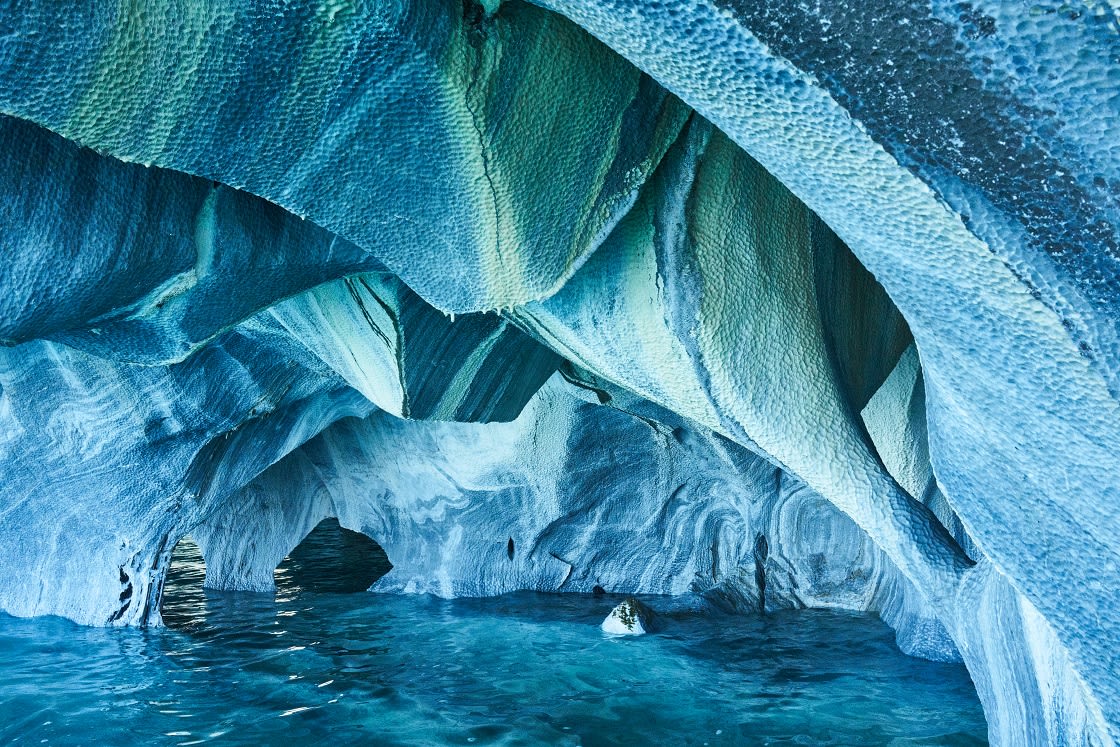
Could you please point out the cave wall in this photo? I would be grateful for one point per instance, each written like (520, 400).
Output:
(480, 158)
(570, 496)
(976, 199)
(97, 454)
(870, 250)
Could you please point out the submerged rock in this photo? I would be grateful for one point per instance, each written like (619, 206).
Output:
(630, 617)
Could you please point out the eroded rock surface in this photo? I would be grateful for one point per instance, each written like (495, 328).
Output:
(630, 617)
(762, 304)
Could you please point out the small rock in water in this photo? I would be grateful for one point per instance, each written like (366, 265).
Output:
(631, 617)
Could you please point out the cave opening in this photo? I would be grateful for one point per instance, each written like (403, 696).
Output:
(183, 594)
(332, 559)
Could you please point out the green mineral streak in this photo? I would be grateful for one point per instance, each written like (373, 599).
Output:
(760, 332)
(205, 229)
(757, 301)
(534, 107)
(143, 81)
(665, 131)
(542, 111)
(351, 324)
(469, 63)
(176, 288)
(457, 390)
(629, 254)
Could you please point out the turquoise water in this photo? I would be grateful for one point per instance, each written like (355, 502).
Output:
(314, 667)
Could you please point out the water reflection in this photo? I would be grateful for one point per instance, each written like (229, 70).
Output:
(332, 559)
(303, 667)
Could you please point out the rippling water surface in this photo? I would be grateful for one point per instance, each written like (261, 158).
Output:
(314, 667)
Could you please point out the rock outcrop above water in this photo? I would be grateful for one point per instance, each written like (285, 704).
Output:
(630, 617)
(773, 304)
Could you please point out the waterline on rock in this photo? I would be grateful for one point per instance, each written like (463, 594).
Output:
(523, 668)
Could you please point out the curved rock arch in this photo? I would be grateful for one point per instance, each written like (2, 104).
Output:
(1004, 274)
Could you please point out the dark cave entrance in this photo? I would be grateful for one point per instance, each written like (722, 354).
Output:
(183, 595)
(332, 559)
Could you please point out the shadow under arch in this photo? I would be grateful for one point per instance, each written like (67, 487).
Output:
(184, 595)
(332, 559)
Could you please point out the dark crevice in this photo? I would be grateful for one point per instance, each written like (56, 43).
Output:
(125, 596)
(332, 559)
(568, 575)
(398, 350)
(566, 371)
(479, 42)
(761, 552)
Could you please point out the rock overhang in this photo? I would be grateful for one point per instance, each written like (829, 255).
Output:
(621, 232)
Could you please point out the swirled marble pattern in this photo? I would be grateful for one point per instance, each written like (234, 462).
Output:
(755, 304)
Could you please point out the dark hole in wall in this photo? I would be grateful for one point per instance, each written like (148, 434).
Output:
(183, 595)
(332, 559)
(761, 552)
(329, 560)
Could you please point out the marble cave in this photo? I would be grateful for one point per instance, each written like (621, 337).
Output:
(730, 315)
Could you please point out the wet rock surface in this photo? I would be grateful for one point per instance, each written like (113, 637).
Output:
(758, 304)
(630, 617)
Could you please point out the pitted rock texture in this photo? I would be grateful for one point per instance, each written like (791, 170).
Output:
(755, 304)
(478, 156)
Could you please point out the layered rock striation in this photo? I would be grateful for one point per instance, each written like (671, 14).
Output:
(753, 304)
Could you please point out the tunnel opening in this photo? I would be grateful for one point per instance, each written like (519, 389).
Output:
(332, 559)
(183, 594)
